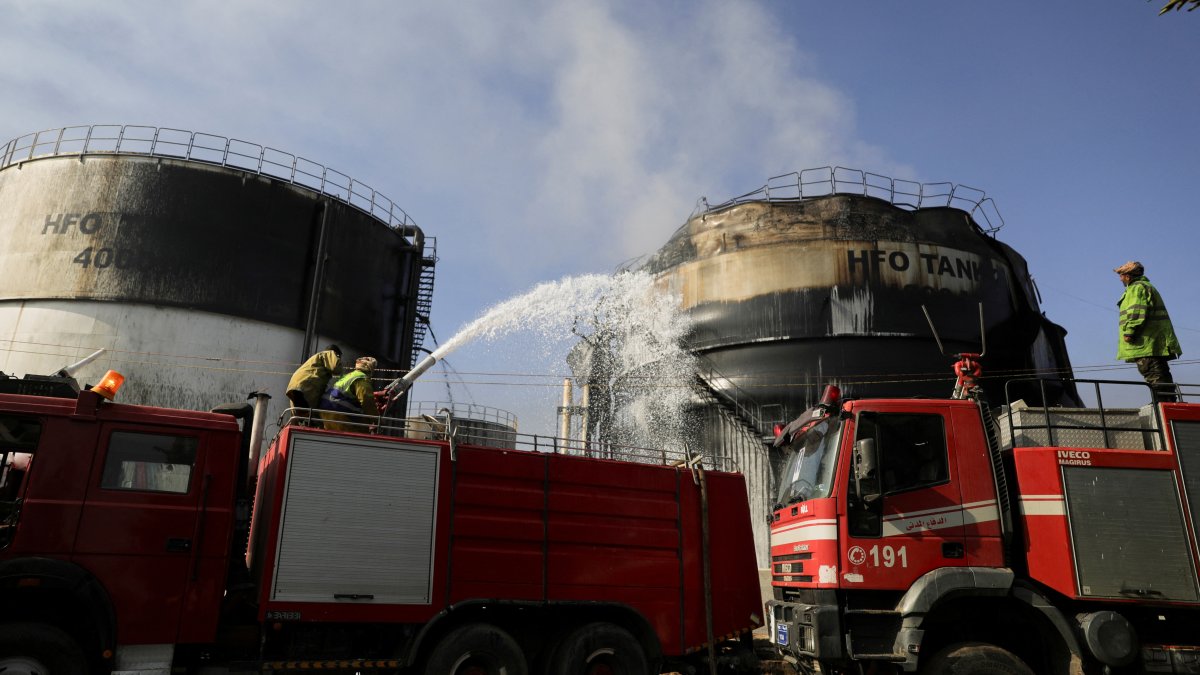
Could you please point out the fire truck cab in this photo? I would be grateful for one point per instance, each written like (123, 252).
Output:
(115, 522)
(928, 535)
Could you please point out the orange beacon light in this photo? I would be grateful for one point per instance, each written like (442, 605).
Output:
(109, 384)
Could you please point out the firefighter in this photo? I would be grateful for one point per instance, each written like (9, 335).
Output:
(1147, 337)
(352, 393)
(309, 381)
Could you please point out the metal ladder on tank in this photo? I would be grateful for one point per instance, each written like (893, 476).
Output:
(739, 405)
(424, 295)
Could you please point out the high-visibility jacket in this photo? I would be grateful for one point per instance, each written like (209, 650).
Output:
(1144, 318)
(312, 378)
(352, 394)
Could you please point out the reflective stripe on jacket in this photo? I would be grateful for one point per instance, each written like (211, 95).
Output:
(339, 396)
(1144, 318)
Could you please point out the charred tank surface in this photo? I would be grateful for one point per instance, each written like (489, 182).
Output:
(206, 266)
(789, 293)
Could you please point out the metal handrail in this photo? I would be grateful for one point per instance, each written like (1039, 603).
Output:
(430, 427)
(825, 181)
(724, 388)
(116, 139)
(1105, 427)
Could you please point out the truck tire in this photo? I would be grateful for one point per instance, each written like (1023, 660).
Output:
(599, 649)
(38, 649)
(975, 658)
(476, 649)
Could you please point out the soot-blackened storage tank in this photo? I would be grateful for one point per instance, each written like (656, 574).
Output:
(820, 278)
(207, 267)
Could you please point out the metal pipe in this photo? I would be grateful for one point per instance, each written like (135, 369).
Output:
(402, 384)
(706, 560)
(564, 418)
(314, 298)
(70, 370)
(585, 403)
(257, 424)
(418, 370)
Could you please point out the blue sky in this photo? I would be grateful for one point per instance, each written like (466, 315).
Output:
(540, 139)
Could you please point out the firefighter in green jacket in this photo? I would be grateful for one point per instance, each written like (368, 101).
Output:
(351, 394)
(1147, 337)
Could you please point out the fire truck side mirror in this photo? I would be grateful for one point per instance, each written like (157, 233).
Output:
(865, 461)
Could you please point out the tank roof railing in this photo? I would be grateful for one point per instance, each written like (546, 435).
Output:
(118, 139)
(837, 180)
(464, 411)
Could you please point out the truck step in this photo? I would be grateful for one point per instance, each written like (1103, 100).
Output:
(871, 612)
(343, 665)
(888, 656)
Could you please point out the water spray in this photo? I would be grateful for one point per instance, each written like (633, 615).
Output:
(644, 382)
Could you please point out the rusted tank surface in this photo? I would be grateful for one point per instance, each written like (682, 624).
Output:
(167, 260)
(791, 294)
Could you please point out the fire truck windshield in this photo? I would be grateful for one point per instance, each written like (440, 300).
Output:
(811, 463)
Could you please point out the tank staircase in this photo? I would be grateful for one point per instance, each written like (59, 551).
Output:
(734, 401)
(424, 296)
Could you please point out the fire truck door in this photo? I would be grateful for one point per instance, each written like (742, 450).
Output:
(911, 520)
(138, 526)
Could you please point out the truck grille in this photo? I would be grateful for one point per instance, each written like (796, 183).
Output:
(790, 567)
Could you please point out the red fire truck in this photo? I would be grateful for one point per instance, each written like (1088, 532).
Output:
(140, 539)
(934, 536)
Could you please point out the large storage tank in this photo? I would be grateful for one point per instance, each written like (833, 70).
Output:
(470, 422)
(207, 267)
(792, 290)
(820, 277)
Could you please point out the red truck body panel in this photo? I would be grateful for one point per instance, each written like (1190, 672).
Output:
(512, 525)
(1046, 510)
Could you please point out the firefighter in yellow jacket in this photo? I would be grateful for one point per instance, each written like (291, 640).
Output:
(352, 393)
(309, 381)
(1147, 337)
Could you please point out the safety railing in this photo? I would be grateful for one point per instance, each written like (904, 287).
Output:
(1138, 428)
(826, 181)
(117, 139)
(441, 428)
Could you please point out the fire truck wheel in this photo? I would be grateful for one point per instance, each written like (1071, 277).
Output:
(476, 649)
(38, 649)
(975, 658)
(599, 649)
